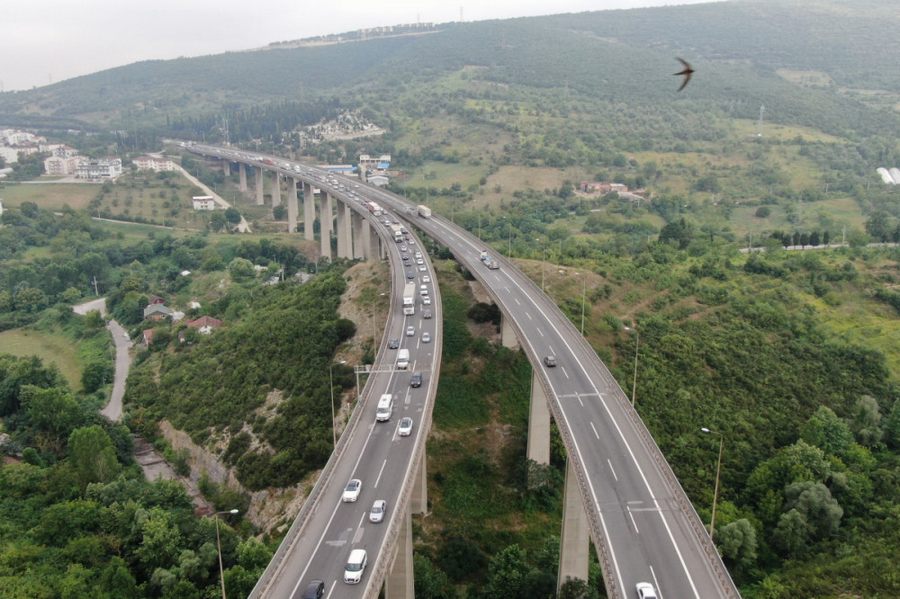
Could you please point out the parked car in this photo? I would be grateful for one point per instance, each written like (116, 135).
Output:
(404, 429)
(376, 514)
(351, 491)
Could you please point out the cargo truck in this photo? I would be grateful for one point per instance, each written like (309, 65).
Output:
(409, 299)
(424, 211)
(397, 232)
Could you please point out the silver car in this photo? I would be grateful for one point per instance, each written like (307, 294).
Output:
(376, 514)
(404, 429)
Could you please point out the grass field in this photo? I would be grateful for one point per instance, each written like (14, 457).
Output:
(745, 128)
(833, 214)
(52, 349)
(52, 196)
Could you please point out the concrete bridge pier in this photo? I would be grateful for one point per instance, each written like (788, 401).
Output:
(366, 239)
(344, 231)
(574, 542)
(326, 218)
(276, 189)
(538, 443)
(260, 195)
(418, 503)
(226, 168)
(309, 212)
(359, 249)
(292, 204)
(399, 583)
(242, 171)
(507, 333)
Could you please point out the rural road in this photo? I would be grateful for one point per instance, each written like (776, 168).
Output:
(113, 410)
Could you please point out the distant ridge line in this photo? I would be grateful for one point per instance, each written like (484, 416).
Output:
(360, 35)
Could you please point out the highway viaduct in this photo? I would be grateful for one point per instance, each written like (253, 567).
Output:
(619, 493)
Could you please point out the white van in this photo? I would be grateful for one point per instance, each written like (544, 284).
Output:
(385, 408)
(356, 564)
(403, 358)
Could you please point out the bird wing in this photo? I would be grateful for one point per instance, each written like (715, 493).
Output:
(687, 78)
(685, 63)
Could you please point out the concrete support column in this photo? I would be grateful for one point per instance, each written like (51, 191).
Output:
(366, 239)
(538, 423)
(418, 503)
(309, 212)
(357, 226)
(260, 196)
(382, 249)
(326, 218)
(292, 205)
(574, 542)
(226, 168)
(507, 333)
(344, 239)
(276, 189)
(242, 171)
(399, 582)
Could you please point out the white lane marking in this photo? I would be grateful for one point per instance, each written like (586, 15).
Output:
(552, 351)
(517, 301)
(336, 506)
(596, 434)
(613, 470)
(633, 523)
(380, 472)
(529, 316)
(563, 368)
(359, 532)
(540, 332)
(360, 524)
(656, 583)
(330, 590)
(621, 436)
(579, 400)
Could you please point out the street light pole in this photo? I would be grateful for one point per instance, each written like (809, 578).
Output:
(583, 294)
(712, 520)
(219, 547)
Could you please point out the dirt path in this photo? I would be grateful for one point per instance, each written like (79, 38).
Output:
(243, 226)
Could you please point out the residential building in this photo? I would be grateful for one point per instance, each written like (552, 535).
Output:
(205, 324)
(367, 162)
(154, 163)
(62, 165)
(203, 203)
(157, 312)
(97, 169)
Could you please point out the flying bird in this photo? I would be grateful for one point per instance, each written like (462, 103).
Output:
(686, 73)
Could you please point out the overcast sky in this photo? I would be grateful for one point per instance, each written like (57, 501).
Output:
(44, 41)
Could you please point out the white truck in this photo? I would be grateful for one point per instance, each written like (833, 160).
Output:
(409, 299)
(403, 359)
(424, 211)
(397, 232)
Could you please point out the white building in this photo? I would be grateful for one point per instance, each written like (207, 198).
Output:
(14, 137)
(103, 168)
(203, 203)
(154, 163)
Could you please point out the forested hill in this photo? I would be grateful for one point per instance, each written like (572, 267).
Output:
(622, 56)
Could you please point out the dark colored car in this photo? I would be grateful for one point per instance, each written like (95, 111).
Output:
(415, 380)
(393, 343)
(314, 590)
(410, 275)
(550, 361)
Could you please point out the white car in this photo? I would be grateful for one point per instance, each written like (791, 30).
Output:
(410, 331)
(426, 337)
(404, 429)
(376, 514)
(422, 268)
(645, 590)
(419, 261)
(426, 301)
(426, 279)
(351, 491)
(356, 565)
